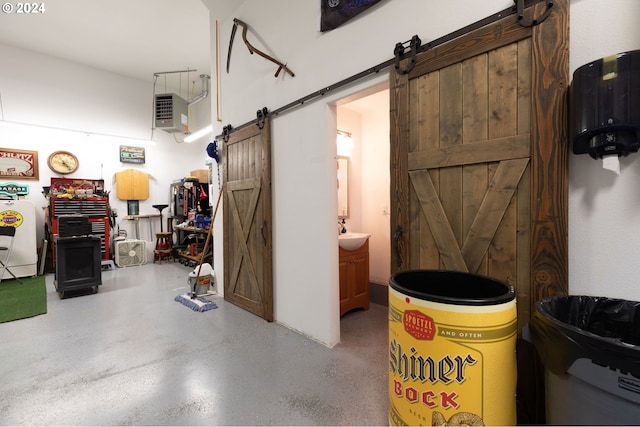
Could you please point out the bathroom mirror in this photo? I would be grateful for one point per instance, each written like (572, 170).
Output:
(343, 187)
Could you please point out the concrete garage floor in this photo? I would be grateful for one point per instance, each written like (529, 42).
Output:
(131, 355)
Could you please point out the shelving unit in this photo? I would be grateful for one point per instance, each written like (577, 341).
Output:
(190, 256)
(189, 198)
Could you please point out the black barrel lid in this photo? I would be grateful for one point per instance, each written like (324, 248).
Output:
(452, 287)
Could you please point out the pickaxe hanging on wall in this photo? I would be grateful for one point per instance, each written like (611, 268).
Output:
(252, 49)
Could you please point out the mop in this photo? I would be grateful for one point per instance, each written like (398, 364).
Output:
(190, 299)
(195, 303)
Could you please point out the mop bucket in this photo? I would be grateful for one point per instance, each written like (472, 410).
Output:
(452, 357)
(205, 278)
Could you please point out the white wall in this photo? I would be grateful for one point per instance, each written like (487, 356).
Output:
(305, 269)
(376, 205)
(46, 91)
(604, 225)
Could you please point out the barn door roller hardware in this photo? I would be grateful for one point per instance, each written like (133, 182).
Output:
(226, 131)
(262, 116)
(253, 49)
(401, 49)
(531, 22)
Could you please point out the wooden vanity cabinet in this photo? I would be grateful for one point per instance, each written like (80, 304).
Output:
(354, 278)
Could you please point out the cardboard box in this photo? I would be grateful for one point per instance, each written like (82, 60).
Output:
(201, 174)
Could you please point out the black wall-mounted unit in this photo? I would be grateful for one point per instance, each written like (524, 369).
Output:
(604, 106)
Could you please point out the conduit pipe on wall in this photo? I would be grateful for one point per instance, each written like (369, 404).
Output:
(205, 91)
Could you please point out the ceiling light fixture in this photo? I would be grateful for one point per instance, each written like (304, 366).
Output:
(344, 143)
(205, 131)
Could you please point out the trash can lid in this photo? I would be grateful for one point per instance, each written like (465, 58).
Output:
(452, 287)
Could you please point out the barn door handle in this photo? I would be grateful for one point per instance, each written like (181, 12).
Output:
(262, 231)
(396, 243)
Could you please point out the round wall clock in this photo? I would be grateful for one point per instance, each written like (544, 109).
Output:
(63, 162)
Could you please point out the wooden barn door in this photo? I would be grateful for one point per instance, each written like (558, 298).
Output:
(478, 143)
(246, 160)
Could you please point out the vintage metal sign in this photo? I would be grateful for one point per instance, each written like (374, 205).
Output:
(18, 164)
(131, 154)
(13, 189)
(11, 218)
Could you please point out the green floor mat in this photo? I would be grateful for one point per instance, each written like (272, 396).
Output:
(20, 300)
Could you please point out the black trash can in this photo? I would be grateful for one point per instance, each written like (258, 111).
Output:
(590, 347)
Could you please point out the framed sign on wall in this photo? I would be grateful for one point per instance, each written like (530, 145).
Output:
(131, 154)
(18, 164)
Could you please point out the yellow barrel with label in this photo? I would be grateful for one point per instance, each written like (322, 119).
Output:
(452, 342)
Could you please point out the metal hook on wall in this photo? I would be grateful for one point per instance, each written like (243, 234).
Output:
(531, 22)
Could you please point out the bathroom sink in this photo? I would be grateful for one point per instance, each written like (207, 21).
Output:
(352, 241)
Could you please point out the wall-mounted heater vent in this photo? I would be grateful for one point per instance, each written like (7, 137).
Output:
(170, 113)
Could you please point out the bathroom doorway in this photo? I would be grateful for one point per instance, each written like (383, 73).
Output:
(365, 118)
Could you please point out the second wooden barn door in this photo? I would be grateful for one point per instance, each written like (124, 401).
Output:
(246, 161)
